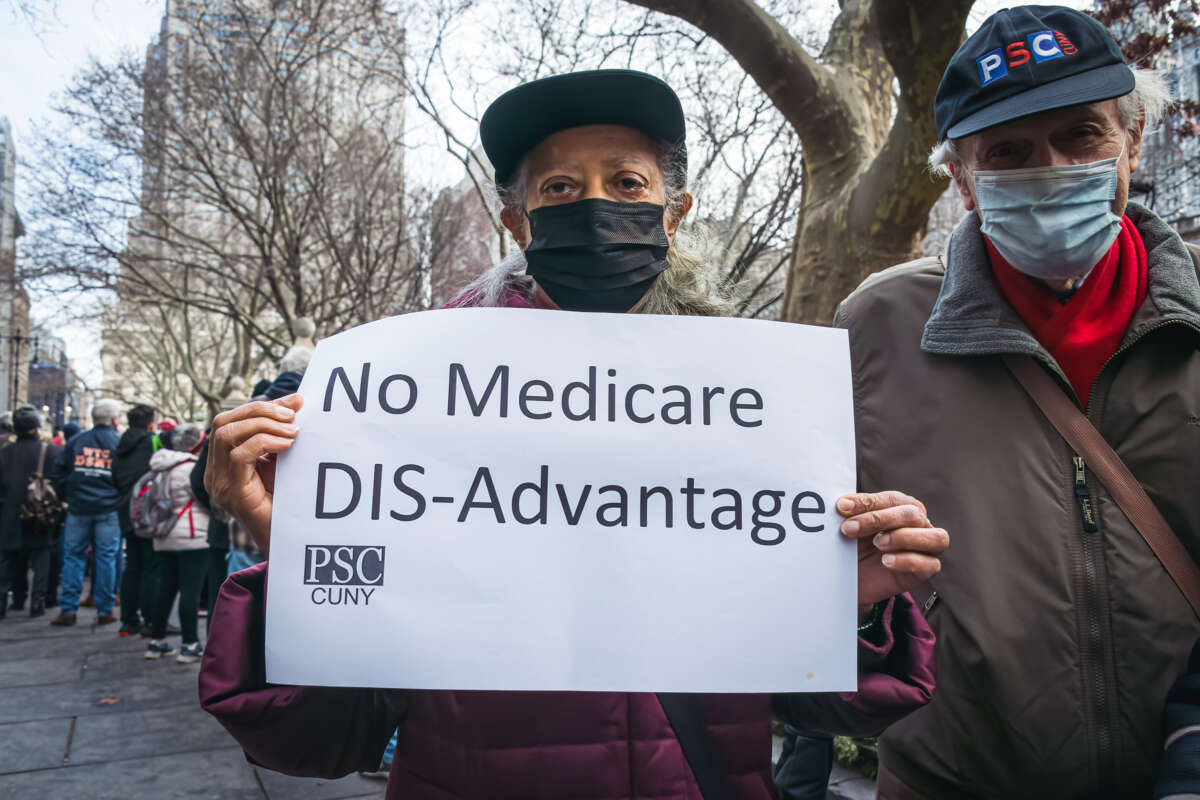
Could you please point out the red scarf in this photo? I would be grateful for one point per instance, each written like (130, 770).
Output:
(1084, 332)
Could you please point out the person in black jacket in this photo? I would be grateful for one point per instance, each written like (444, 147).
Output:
(1179, 769)
(139, 584)
(22, 543)
(217, 533)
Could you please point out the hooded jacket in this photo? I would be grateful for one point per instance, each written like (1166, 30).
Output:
(131, 462)
(530, 745)
(1056, 646)
(18, 461)
(84, 472)
(190, 531)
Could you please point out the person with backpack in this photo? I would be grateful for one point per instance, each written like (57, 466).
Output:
(30, 512)
(83, 476)
(167, 510)
(139, 584)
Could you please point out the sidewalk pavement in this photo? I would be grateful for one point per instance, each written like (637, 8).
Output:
(82, 714)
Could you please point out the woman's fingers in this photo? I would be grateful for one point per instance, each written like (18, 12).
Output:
(931, 541)
(853, 504)
(918, 566)
(908, 515)
(247, 452)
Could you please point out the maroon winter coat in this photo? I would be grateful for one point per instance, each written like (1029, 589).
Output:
(528, 745)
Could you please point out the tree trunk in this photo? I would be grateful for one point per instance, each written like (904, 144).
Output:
(866, 194)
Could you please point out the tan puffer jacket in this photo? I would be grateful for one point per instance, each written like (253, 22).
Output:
(191, 526)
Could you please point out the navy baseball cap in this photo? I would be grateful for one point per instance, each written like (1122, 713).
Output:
(1026, 60)
(521, 118)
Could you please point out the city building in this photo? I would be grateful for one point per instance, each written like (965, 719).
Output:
(53, 386)
(1168, 178)
(15, 338)
(209, 104)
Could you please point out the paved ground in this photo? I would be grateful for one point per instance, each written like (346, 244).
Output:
(82, 714)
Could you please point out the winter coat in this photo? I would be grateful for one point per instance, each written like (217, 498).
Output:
(131, 462)
(83, 472)
(529, 745)
(191, 521)
(218, 531)
(1056, 646)
(18, 461)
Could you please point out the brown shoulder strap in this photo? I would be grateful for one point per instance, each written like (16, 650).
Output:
(1124, 488)
(41, 469)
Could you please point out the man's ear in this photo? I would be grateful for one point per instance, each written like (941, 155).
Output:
(517, 222)
(961, 183)
(1133, 144)
(672, 222)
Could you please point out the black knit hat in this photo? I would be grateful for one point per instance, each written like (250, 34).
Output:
(1026, 60)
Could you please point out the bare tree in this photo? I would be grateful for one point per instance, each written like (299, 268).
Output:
(746, 171)
(862, 111)
(249, 172)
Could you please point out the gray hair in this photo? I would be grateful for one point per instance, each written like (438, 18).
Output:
(1150, 100)
(105, 411)
(186, 437)
(295, 360)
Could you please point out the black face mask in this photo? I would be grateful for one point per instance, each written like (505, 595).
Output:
(596, 255)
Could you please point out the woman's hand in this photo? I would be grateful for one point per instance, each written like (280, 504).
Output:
(241, 460)
(898, 547)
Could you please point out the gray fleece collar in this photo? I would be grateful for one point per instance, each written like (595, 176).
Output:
(971, 317)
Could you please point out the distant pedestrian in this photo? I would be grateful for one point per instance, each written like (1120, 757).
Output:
(166, 429)
(217, 534)
(7, 435)
(24, 544)
(84, 477)
(182, 552)
(139, 584)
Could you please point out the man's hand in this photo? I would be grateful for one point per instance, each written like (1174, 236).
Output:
(898, 547)
(241, 461)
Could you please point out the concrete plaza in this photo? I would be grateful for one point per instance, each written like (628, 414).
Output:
(83, 715)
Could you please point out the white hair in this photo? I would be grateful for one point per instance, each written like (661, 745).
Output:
(1149, 101)
(105, 411)
(295, 360)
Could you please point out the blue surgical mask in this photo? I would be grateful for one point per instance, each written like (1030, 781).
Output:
(1051, 223)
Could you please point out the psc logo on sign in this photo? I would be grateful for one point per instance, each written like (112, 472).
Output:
(1040, 46)
(341, 573)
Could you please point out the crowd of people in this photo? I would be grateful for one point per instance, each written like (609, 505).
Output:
(121, 509)
(1035, 390)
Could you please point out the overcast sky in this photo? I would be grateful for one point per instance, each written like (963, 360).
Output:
(37, 62)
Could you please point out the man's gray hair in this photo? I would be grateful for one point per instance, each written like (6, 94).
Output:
(105, 411)
(1150, 99)
(186, 437)
(296, 360)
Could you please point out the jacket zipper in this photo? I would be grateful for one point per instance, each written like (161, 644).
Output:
(1098, 649)
(1083, 497)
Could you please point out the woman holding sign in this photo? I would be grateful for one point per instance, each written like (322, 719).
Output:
(592, 171)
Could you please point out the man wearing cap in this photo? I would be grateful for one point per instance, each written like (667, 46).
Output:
(1059, 630)
(592, 173)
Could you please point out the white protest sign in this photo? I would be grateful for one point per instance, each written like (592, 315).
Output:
(543, 500)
